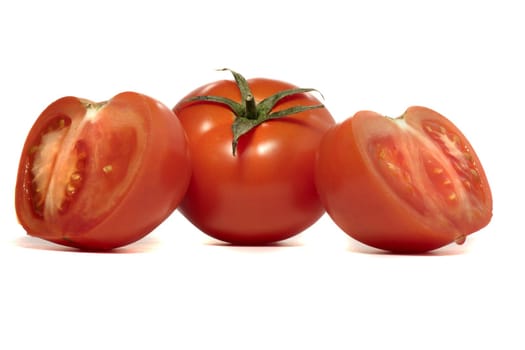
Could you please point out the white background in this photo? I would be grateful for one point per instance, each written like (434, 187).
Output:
(178, 289)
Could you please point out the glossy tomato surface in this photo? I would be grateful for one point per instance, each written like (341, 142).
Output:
(101, 175)
(265, 193)
(409, 184)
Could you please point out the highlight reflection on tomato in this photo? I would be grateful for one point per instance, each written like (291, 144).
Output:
(253, 146)
(409, 184)
(101, 175)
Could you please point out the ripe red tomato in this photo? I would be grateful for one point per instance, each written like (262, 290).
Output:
(409, 184)
(264, 192)
(98, 176)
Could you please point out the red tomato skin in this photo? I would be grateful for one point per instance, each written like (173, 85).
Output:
(266, 192)
(361, 203)
(157, 186)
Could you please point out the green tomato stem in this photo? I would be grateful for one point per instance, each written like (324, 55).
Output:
(251, 107)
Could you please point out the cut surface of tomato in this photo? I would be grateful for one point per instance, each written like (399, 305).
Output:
(86, 166)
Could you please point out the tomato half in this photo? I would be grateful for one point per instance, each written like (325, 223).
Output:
(265, 192)
(98, 176)
(409, 184)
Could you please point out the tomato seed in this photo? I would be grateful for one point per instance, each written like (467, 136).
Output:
(390, 166)
(75, 177)
(468, 156)
(70, 189)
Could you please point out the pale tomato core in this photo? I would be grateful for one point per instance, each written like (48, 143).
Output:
(49, 189)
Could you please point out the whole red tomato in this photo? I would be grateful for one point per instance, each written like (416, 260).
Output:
(101, 175)
(409, 184)
(253, 146)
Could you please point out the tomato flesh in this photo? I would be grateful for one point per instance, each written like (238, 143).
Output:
(412, 183)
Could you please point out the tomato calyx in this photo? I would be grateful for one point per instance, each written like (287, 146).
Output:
(248, 113)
